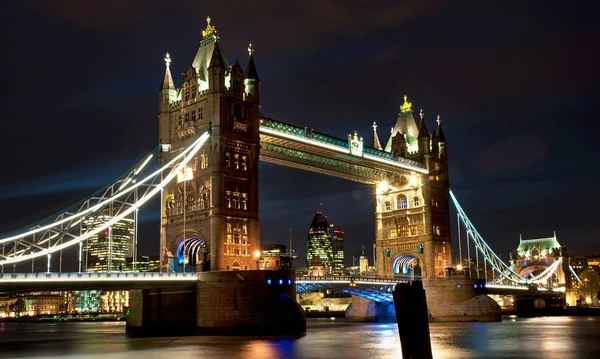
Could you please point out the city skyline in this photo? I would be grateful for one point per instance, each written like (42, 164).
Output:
(508, 175)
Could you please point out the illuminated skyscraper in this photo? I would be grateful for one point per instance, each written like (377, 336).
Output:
(108, 250)
(319, 249)
(337, 240)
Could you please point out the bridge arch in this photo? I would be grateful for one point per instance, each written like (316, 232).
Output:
(192, 251)
(408, 265)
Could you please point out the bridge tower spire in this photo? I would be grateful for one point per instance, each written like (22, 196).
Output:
(376, 144)
(251, 79)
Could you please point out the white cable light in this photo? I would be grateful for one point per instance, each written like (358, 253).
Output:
(193, 149)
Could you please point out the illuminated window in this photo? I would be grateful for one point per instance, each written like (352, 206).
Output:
(236, 161)
(244, 239)
(393, 232)
(403, 230)
(244, 201)
(236, 236)
(416, 202)
(245, 229)
(244, 163)
(236, 200)
(413, 230)
(229, 237)
(227, 159)
(401, 201)
(204, 161)
(228, 199)
(227, 250)
(228, 227)
(437, 166)
(388, 205)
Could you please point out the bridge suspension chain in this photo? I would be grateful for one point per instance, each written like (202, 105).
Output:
(87, 218)
(504, 270)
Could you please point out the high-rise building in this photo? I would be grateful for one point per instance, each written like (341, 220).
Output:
(319, 249)
(108, 250)
(337, 240)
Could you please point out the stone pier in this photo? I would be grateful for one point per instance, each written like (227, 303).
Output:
(221, 303)
(455, 299)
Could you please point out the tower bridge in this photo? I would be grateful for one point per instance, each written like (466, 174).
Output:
(212, 137)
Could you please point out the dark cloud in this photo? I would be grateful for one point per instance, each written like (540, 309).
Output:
(512, 154)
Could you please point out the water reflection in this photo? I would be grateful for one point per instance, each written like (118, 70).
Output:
(557, 337)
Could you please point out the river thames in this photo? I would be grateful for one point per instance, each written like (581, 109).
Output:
(544, 337)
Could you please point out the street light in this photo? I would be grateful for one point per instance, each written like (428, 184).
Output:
(257, 256)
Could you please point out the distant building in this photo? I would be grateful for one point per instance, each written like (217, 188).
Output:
(337, 240)
(319, 249)
(274, 256)
(107, 251)
(144, 264)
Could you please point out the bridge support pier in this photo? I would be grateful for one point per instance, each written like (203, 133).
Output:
(366, 310)
(221, 303)
(460, 300)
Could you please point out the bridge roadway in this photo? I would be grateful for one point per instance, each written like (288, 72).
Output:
(376, 289)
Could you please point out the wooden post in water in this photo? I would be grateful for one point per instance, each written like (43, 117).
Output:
(413, 322)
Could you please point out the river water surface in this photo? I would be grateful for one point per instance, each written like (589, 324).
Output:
(546, 337)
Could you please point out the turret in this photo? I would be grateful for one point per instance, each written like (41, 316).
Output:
(376, 144)
(167, 92)
(423, 139)
(216, 70)
(251, 79)
(441, 139)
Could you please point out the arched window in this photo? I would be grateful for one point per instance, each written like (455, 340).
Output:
(244, 201)
(236, 200)
(401, 201)
(236, 161)
(228, 199)
(227, 159)
(244, 163)
(204, 161)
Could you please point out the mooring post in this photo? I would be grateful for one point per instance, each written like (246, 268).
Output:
(413, 322)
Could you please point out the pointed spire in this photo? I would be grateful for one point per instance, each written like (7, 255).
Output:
(167, 83)
(376, 143)
(423, 133)
(251, 72)
(440, 133)
(217, 59)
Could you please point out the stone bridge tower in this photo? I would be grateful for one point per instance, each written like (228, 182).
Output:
(216, 198)
(412, 218)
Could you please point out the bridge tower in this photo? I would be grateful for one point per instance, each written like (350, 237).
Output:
(218, 191)
(412, 217)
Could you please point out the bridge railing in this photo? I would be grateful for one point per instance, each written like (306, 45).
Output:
(91, 276)
(349, 279)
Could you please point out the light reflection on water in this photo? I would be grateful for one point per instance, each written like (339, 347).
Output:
(548, 338)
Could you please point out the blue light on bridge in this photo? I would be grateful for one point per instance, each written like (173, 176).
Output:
(474, 285)
(268, 281)
(289, 282)
(458, 286)
(281, 282)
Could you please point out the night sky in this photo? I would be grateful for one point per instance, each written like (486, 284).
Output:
(516, 84)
